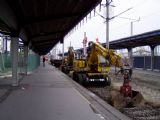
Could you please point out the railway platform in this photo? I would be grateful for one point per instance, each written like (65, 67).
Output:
(48, 94)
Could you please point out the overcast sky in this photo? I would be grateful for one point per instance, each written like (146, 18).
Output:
(147, 10)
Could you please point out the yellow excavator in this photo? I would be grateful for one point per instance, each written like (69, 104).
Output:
(94, 69)
(67, 64)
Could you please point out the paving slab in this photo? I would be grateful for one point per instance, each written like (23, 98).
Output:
(46, 95)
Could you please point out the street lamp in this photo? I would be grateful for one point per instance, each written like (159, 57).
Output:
(107, 24)
(133, 20)
(130, 54)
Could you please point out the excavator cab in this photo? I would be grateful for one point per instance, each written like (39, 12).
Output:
(103, 64)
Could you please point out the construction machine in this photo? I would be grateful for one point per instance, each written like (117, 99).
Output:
(95, 68)
(67, 64)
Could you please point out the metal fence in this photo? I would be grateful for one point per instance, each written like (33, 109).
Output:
(33, 61)
(5, 62)
(145, 62)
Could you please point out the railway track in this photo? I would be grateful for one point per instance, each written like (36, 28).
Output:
(143, 113)
(147, 112)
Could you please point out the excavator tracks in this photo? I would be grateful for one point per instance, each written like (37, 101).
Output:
(143, 113)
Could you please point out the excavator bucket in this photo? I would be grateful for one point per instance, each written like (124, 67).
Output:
(126, 97)
(119, 101)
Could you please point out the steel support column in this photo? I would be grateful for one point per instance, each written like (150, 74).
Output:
(14, 54)
(25, 59)
(152, 57)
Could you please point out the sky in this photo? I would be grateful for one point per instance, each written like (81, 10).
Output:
(147, 10)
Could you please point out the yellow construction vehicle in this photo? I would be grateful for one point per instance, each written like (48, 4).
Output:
(94, 70)
(67, 64)
(96, 66)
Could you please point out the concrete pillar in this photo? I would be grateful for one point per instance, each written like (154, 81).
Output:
(63, 51)
(20, 61)
(14, 55)
(144, 65)
(6, 45)
(2, 66)
(3, 45)
(25, 59)
(62, 42)
(130, 55)
(152, 57)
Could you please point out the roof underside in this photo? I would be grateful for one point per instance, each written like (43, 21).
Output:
(151, 38)
(42, 23)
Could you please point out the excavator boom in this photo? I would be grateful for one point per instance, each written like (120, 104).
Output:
(110, 55)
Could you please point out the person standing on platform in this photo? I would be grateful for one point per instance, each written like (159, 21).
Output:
(44, 61)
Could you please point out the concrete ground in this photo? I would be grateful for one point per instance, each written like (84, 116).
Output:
(48, 94)
(45, 95)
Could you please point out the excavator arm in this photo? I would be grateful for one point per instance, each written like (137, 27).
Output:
(110, 55)
(114, 60)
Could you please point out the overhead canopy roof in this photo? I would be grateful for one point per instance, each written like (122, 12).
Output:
(151, 38)
(42, 23)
